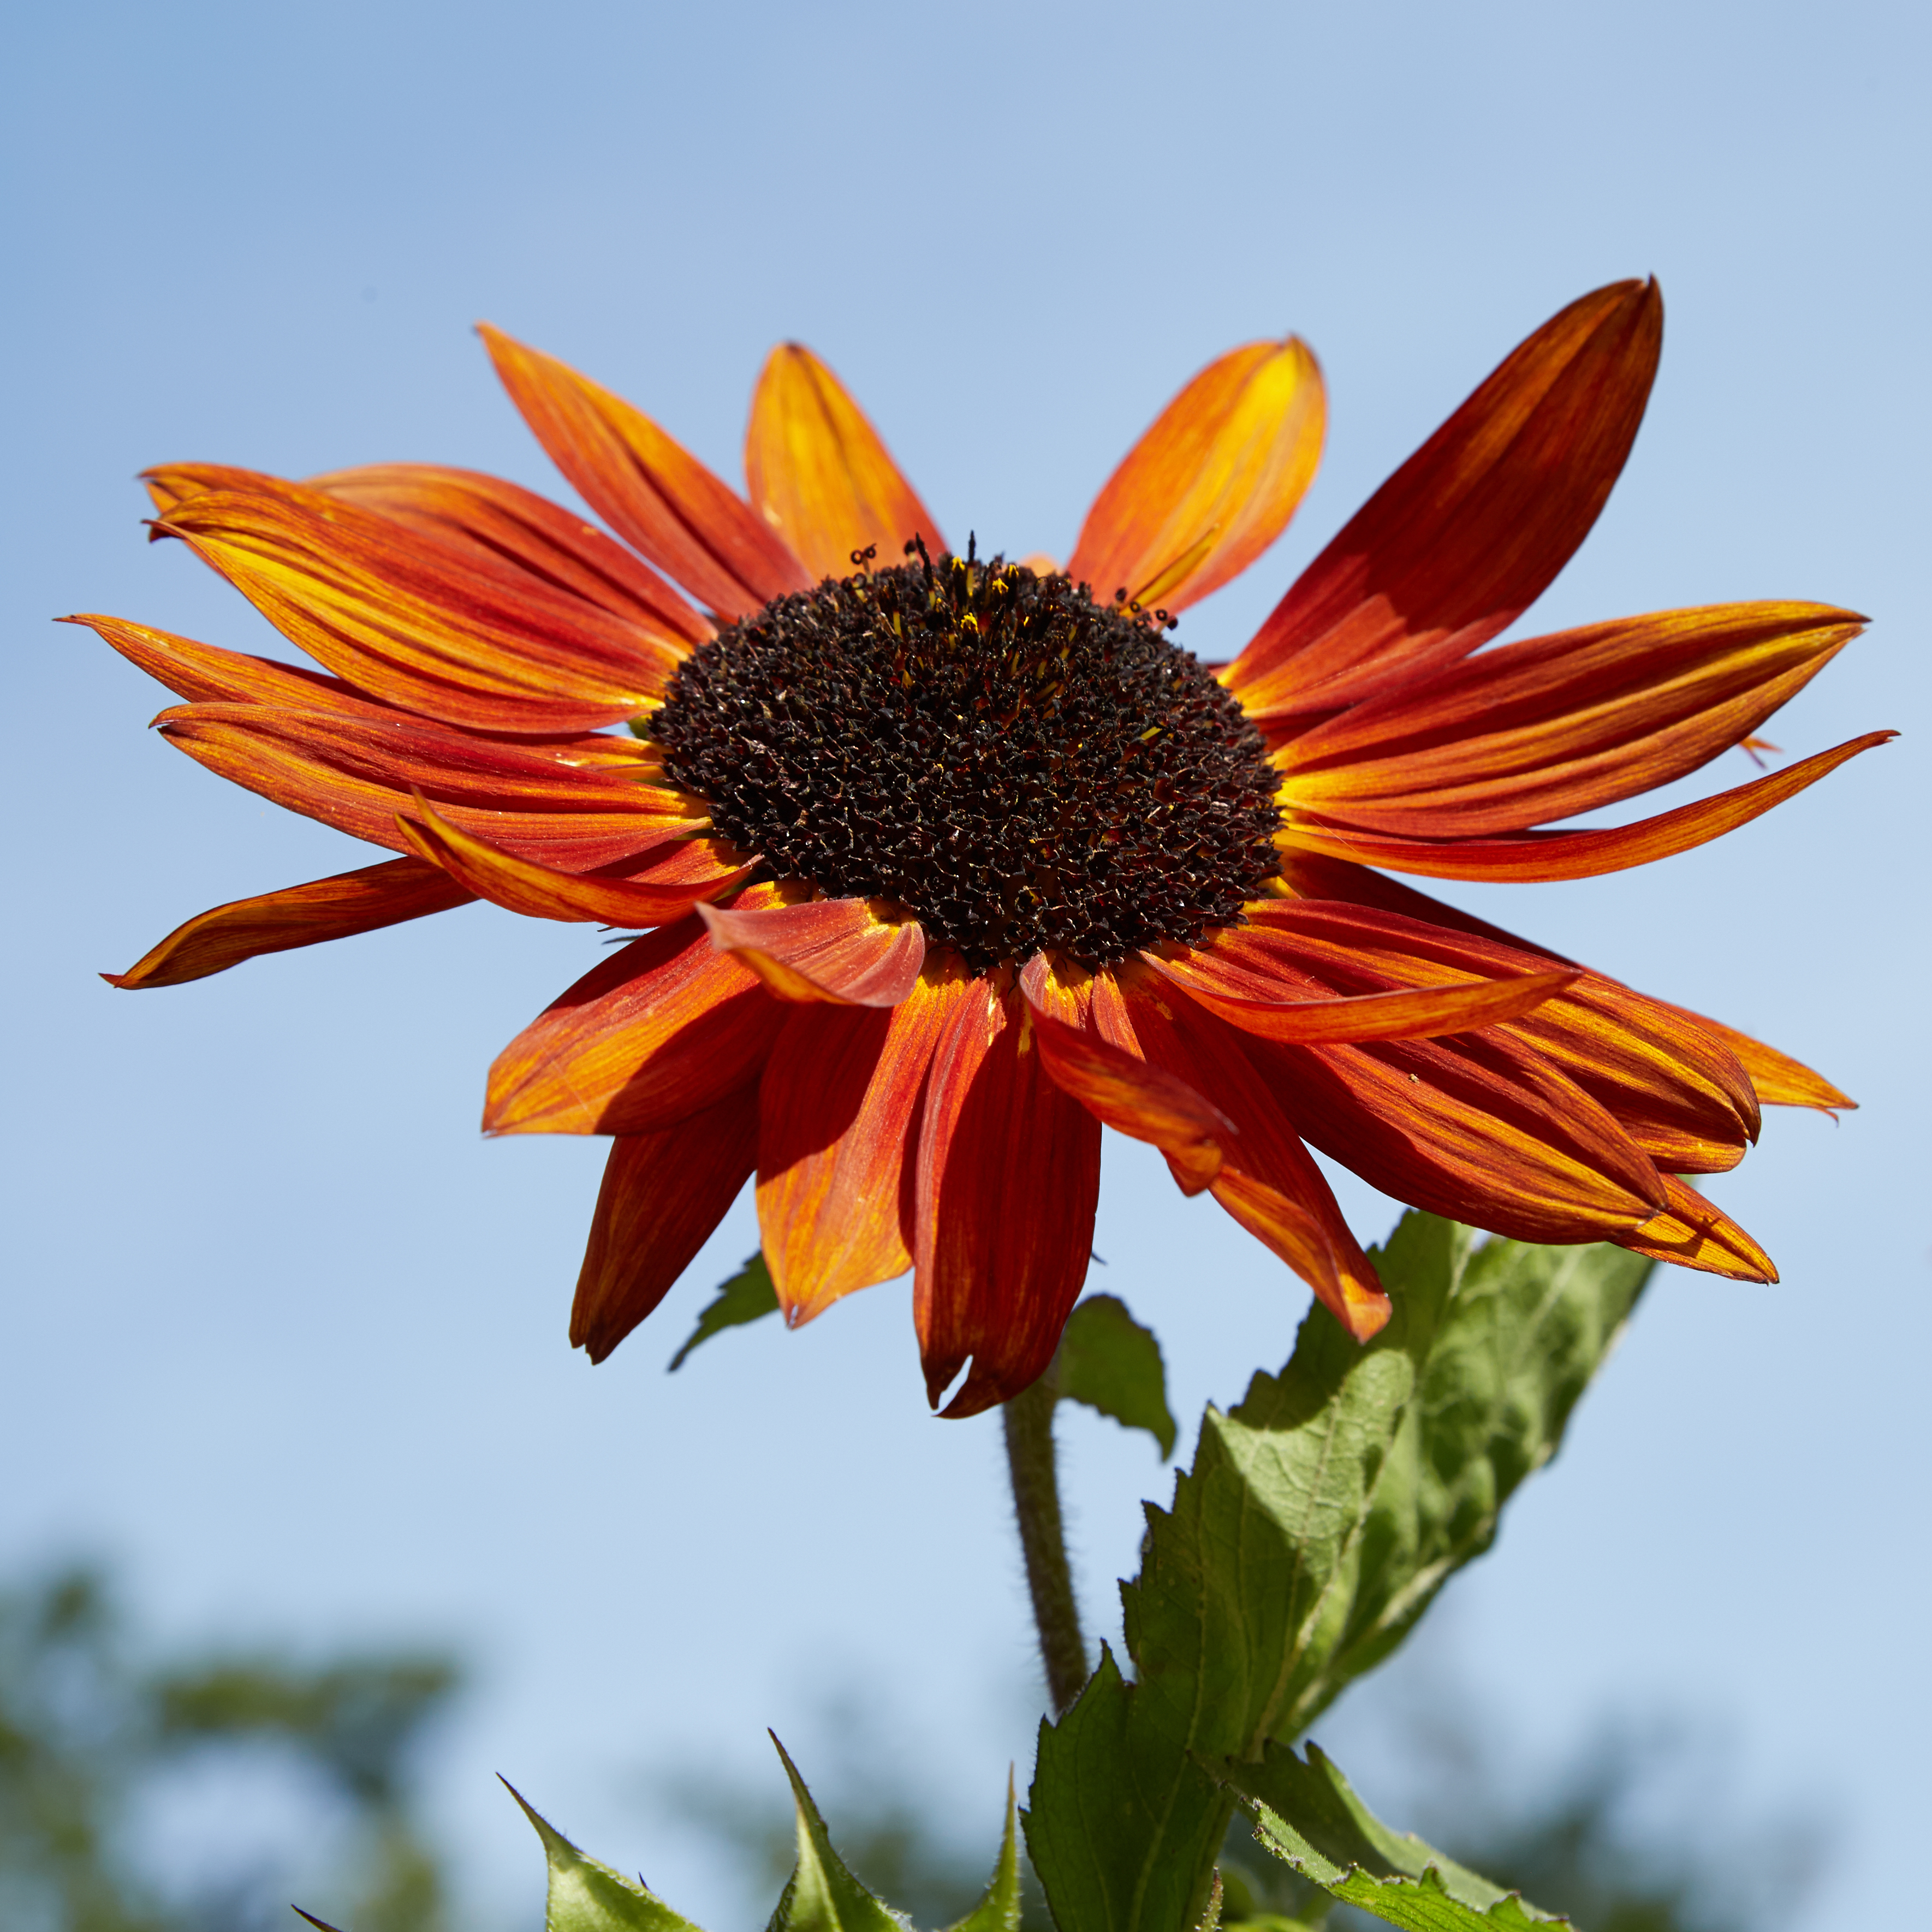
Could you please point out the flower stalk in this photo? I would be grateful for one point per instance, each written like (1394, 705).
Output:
(1032, 1465)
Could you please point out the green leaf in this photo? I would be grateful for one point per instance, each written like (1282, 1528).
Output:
(998, 1910)
(1108, 1360)
(1322, 1515)
(586, 1896)
(1319, 1519)
(748, 1296)
(822, 1895)
(1307, 1814)
(1123, 1826)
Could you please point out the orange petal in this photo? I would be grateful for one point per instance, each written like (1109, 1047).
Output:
(1008, 1174)
(839, 1104)
(1267, 1181)
(818, 472)
(1465, 536)
(1779, 1080)
(1122, 1091)
(1694, 1234)
(1212, 483)
(498, 523)
(665, 1027)
(334, 908)
(653, 493)
(1480, 1128)
(172, 483)
(1220, 980)
(849, 952)
(356, 772)
(542, 892)
(207, 674)
(663, 1194)
(1672, 1081)
(1555, 726)
(1575, 855)
(418, 624)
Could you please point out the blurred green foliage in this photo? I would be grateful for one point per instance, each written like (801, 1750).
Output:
(92, 1732)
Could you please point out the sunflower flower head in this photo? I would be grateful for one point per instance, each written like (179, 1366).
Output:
(940, 863)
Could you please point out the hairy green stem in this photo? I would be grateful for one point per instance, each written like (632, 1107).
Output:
(1056, 1611)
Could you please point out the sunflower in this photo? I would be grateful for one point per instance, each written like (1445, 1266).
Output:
(941, 862)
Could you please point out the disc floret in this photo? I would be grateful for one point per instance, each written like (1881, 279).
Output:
(1020, 766)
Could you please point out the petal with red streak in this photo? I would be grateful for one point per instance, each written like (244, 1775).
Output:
(1779, 1080)
(1008, 1174)
(356, 772)
(1228, 974)
(660, 1029)
(847, 952)
(1552, 727)
(1694, 1234)
(1465, 535)
(501, 522)
(819, 474)
(1267, 1181)
(840, 1107)
(538, 891)
(1468, 1131)
(333, 908)
(1673, 1082)
(1120, 1090)
(652, 491)
(419, 624)
(1538, 856)
(663, 1195)
(205, 673)
(1212, 483)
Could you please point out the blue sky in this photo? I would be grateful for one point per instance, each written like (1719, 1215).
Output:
(284, 1334)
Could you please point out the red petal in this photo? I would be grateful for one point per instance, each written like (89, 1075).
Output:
(1779, 1080)
(663, 1194)
(420, 624)
(356, 773)
(848, 953)
(1008, 1176)
(1122, 1091)
(542, 892)
(205, 673)
(1672, 1082)
(1465, 536)
(658, 1031)
(335, 908)
(1267, 1182)
(1575, 855)
(498, 523)
(1212, 483)
(1230, 973)
(1552, 727)
(1694, 1234)
(1475, 1129)
(654, 494)
(819, 473)
(840, 1101)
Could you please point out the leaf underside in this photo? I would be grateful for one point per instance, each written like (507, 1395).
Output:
(748, 1296)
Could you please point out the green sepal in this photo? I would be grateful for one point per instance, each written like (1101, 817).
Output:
(998, 1910)
(1307, 1814)
(586, 1896)
(1108, 1360)
(821, 1895)
(748, 1296)
(1122, 1825)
